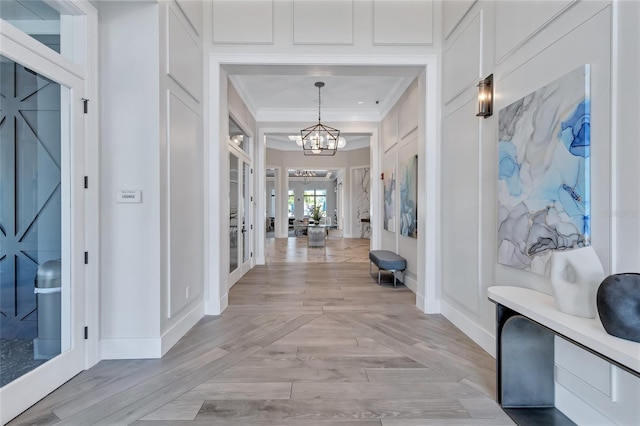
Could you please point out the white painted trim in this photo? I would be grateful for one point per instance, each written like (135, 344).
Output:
(179, 329)
(131, 348)
(613, 150)
(466, 12)
(471, 328)
(538, 30)
(419, 301)
(41, 51)
(34, 385)
(224, 302)
(429, 273)
(92, 197)
(411, 284)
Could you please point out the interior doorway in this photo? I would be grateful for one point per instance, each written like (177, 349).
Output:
(241, 204)
(271, 202)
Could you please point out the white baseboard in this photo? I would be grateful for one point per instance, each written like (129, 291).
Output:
(217, 306)
(471, 328)
(132, 348)
(410, 283)
(180, 328)
(224, 302)
(420, 301)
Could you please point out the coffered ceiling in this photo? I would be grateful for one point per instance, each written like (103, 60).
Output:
(286, 94)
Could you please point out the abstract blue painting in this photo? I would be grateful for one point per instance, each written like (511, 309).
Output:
(390, 200)
(409, 197)
(543, 173)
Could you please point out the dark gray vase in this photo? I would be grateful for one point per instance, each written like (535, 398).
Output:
(618, 301)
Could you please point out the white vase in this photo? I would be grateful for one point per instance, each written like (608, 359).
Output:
(575, 276)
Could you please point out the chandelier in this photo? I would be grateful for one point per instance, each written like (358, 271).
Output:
(320, 139)
(305, 175)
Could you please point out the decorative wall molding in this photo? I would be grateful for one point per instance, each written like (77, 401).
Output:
(233, 25)
(518, 22)
(184, 59)
(192, 11)
(184, 151)
(460, 221)
(329, 22)
(402, 22)
(453, 12)
(462, 60)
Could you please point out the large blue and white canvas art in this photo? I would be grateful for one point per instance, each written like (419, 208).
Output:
(543, 173)
(409, 197)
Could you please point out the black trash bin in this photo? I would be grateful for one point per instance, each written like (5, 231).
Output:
(48, 289)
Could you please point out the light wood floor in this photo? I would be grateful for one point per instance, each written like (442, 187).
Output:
(304, 344)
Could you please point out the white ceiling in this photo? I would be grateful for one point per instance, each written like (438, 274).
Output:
(286, 94)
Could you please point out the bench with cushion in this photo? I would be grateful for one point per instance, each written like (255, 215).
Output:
(388, 261)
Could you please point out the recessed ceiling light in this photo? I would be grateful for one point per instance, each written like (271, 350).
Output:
(360, 102)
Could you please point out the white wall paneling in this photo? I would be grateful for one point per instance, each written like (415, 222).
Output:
(407, 111)
(589, 44)
(460, 205)
(518, 21)
(185, 206)
(184, 60)
(625, 208)
(130, 267)
(323, 22)
(462, 59)
(192, 10)
(402, 22)
(243, 21)
(452, 14)
(389, 130)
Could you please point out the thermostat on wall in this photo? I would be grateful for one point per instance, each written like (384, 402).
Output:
(129, 196)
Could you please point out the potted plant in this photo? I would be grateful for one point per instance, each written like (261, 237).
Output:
(316, 214)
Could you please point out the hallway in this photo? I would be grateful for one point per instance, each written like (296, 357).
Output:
(300, 344)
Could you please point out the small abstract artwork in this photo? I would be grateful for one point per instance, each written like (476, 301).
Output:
(409, 197)
(390, 200)
(361, 185)
(543, 173)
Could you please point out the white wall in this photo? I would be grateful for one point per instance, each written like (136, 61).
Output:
(400, 129)
(181, 168)
(130, 241)
(527, 45)
(379, 27)
(151, 114)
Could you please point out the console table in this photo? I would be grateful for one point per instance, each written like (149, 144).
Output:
(526, 323)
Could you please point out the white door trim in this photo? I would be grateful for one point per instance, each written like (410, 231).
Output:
(428, 275)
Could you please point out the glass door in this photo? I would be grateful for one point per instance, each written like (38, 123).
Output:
(240, 217)
(41, 233)
(247, 222)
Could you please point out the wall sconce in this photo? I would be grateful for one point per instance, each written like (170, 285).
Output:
(485, 97)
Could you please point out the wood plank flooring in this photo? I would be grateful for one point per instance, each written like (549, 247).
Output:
(305, 344)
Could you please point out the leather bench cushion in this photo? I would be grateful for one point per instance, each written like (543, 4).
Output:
(385, 259)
